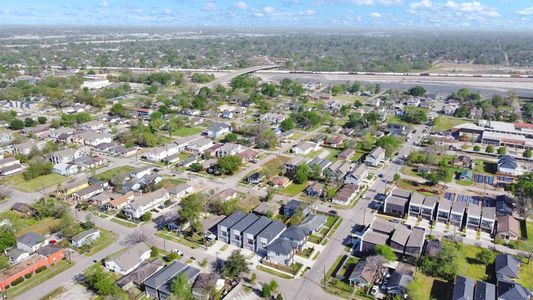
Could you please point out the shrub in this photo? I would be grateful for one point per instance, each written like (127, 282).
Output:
(40, 269)
(17, 281)
(171, 257)
(28, 276)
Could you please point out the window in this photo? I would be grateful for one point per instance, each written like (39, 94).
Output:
(250, 241)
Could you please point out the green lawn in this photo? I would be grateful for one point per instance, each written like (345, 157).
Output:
(273, 272)
(396, 120)
(38, 278)
(425, 287)
(464, 182)
(333, 154)
(186, 131)
(447, 123)
(107, 175)
(357, 155)
(17, 181)
(525, 275)
(529, 226)
(174, 238)
(484, 167)
(293, 189)
(123, 222)
(474, 268)
(40, 226)
(106, 238)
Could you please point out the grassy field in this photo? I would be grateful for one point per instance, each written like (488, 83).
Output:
(424, 287)
(54, 294)
(186, 131)
(525, 275)
(396, 120)
(447, 123)
(124, 223)
(273, 272)
(485, 167)
(33, 185)
(293, 189)
(464, 182)
(474, 268)
(529, 226)
(174, 238)
(273, 166)
(38, 278)
(333, 154)
(357, 155)
(40, 226)
(107, 175)
(106, 239)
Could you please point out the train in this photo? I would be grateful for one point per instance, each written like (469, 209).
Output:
(414, 74)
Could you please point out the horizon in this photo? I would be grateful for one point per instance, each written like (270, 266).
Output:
(491, 15)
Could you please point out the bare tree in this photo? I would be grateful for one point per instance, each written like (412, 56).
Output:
(138, 236)
(375, 263)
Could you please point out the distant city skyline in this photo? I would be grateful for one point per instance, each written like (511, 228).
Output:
(408, 14)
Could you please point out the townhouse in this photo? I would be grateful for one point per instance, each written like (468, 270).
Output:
(269, 234)
(146, 202)
(237, 230)
(224, 227)
(251, 233)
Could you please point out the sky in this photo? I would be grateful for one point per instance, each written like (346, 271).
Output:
(346, 14)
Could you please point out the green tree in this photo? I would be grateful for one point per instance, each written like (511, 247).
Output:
(7, 240)
(302, 174)
(100, 281)
(477, 148)
(385, 251)
(192, 207)
(314, 172)
(390, 143)
(42, 120)
(527, 153)
(417, 91)
(266, 291)
(196, 167)
(235, 265)
(68, 226)
(29, 122)
(253, 278)
(118, 110)
(489, 149)
(502, 150)
(396, 177)
(297, 217)
(287, 124)
(229, 164)
(16, 124)
(486, 256)
(231, 137)
(181, 288)
(147, 216)
(154, 252)
(522, 189)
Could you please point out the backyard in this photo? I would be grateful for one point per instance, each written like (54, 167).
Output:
(186, 131)
(447, 123)
(107, 175)
(17, 181)
(294, 189)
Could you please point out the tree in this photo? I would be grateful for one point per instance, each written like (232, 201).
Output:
(196, 167)
(231, 137)
(477, 148)
(235, 265)
(266, 291)
(522, 189)
(302, 173)
(154, 252)
(253, 278)
(417, 91)
(181, 288)
(16, 124)
(138, 236)
(99, 280)
(118, 110)
(385, 251)
(42, 120)
(486, 256)
(528, 153)
(287, 124)
(416, 116)
(489, 149)
(192, 207)
(29, 122)
(229, 164)
(396, 177)
(147, 216)
(297, 217)
(502, 150)
(68, 227)
(446, 264)
(314, 172)
(7, 239)
(390, 143)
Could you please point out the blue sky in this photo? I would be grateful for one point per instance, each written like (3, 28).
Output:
(421, 14)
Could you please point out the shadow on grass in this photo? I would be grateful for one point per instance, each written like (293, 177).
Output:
(441, 290)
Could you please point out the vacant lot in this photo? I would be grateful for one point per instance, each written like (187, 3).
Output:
(186, 131)
(293, 189)
(107, 175)
(447, 123)
(33, 185)
(425, 287)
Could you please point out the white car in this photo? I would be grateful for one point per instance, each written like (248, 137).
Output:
(177, 252)
(374, 290)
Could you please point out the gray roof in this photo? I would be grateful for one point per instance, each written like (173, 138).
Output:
(294, 204)
(458, 207)
(128, 259)
(401, 193)
(396, 200)
(145, 270)
(445, 205)
(232, 219)
(464, 288)
(382, 225)
(507, 265)
(400, 280)
(430, 201)
(485, 291)
(165, 274)
(294, 233)
(245, 222)
(312, 223)
(488, 213)
(416, 239)
(401, 235)
(281, 246)
(507, 161)
(375, 237)
(31, 239)
(85, 234)
(48, 250)
(258, 226)
(510, 290)
(272, 230)
(14, 253)
(417, 199)
(218, 126)
(474, 211)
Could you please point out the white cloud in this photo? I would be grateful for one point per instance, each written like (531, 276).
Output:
(308, 12)
(473, 10)
(422, 4)
(167, 11)
(375, 15)
(210, 6)
(104, 3)
(269, 9)
(526, 11)
(472, 7)
(241, 5)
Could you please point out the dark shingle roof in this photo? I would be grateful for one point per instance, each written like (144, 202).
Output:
(232, 219)
(31, 239)
(507, 265)
(464, 288)
(294, 233)
(272, 230)
(258, 226)
(485, 291)
(245, 222)
(281, 246)
(510, 290)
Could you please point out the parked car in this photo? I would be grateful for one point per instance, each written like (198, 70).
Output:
(374, 290)
(177, 252)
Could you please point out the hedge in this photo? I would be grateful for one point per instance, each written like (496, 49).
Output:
(40, 269)
(17, 281)
(28, 276)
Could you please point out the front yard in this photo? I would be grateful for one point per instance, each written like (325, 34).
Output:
(106, 238)
(37, 184)
(294, 189)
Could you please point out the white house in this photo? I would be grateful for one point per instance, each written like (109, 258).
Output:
(125, 262)
(508, 165)
(65, 169)
(66, 156)
(146, 202)
(31, 242)
(86, 237)
(357, 176)
(218, 129)
(162, 152)
(228, 149)
(375, 157)
(305, 148)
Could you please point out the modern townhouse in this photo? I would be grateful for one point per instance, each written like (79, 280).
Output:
(444, 209)
(473, 216)
(250, 234)
(224, 227)
(237, 230)
(488, 219)
(457, 214)
(415, 244)
(270, 233)
(429, 206)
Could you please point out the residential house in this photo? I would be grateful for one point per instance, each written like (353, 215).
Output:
(86, 237)
(415, 204)
(67, 156)
(415, 244)
(345, 195)
(398, 283)
(296, 236)
(506, 264)
(272, 118)
(429, 206)
(218, 129)
(395, 206)
(65, 169)
(346, 154)
(280, 252)
(160, 153)
(250, 233)
(313, 223)
(291, 207)
(509, 290)
(127, 261)
(290, 166)
(375, 157)
(280, 181)
(399, 238)
(305, 147)
(463, 289)
(362, 274)
(223, 227)
(146, 202)
(488, 219)
(16, 255)
(321, 164)
(443, 210)
(22, 209)
(159, 285)
(484, 291)
(180, 191)
(237, 230)
(473, 217)
(31, 242)
(508, 228)
(507, 165)
(457, 214)
(199, 145)
(315, 190)
(256, 178)
(228, 149)
(119, 202)
(269, 234)
(203, 285)
(87, 193)
(136, 278)
(357, 176)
